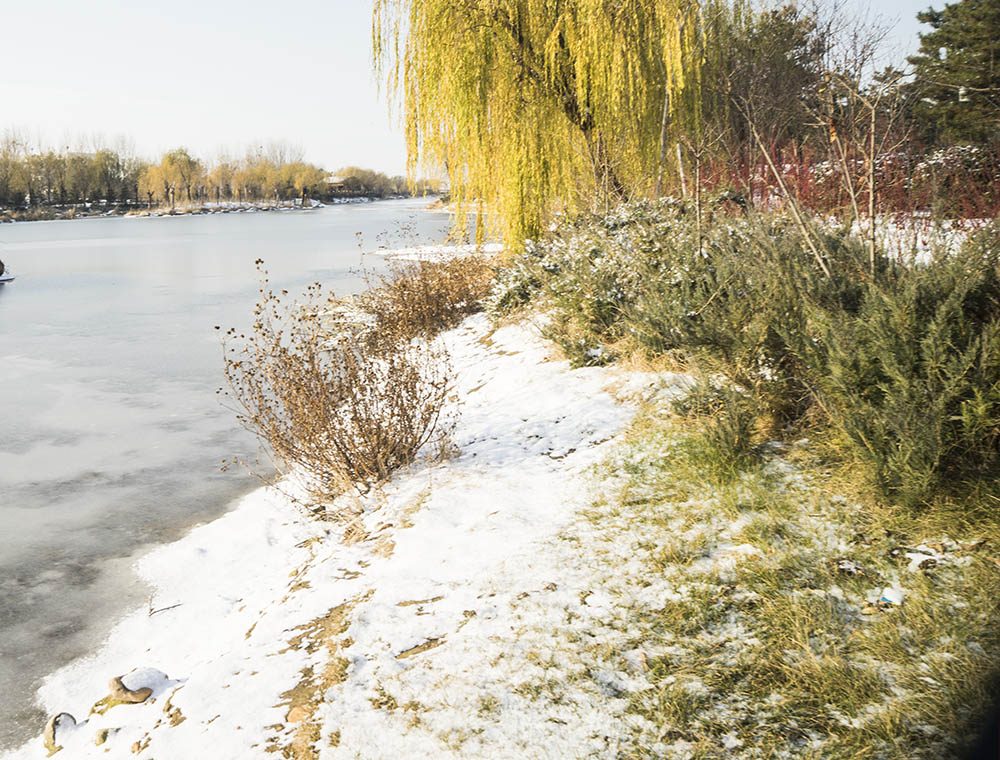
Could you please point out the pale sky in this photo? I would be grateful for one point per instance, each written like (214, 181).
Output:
(901, 16)
(214, 74)
(205, 74)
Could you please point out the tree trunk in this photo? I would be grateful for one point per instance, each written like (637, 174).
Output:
(663, 139)
(680, 171)
(697, 194)
(604, 173)
(871, 192)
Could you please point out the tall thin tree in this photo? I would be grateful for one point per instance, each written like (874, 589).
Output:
(533, 105)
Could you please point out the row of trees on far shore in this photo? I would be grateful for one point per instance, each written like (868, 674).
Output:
(34, 177)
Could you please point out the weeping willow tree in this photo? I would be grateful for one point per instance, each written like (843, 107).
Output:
(537, 105)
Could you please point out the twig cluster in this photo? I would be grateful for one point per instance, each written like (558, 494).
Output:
(343, 393)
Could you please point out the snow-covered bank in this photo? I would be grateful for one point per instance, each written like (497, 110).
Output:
(239, 207)
(440, 252)
(98, 210)
(268, 631)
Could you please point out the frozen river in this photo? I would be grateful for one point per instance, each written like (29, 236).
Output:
(111, 434)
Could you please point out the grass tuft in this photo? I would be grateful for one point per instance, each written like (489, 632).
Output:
(774, 643)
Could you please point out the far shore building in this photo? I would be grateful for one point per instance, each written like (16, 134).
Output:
(336, 185)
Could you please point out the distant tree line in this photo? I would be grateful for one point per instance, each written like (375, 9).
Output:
(179, 177)
(116, 176)
(353, 180)
(46, 177)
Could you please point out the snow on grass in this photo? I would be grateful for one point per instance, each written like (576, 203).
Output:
(801, 623)
(441, 252)
(918, 238)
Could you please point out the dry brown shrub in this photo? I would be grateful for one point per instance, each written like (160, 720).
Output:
(422, 298)
(332, 401)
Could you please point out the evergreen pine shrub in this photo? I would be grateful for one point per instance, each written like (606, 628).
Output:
(587, 272)
(913, 378)
(728, 423)
(902, 358)
(737, 306)
(517, 283)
